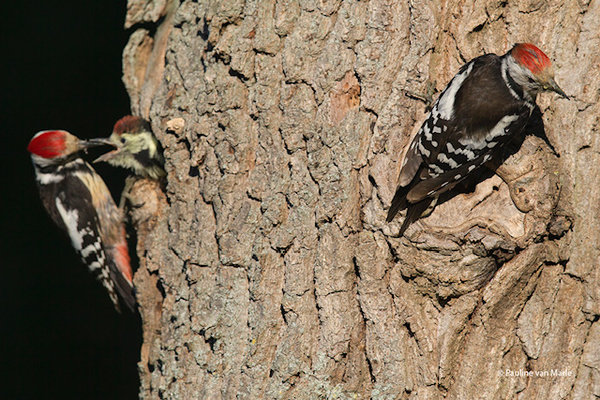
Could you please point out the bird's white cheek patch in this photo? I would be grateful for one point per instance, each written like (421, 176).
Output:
(46, 179)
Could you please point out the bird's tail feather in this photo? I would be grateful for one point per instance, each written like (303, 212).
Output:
(124, 288)
(414, 212)
(399, 202)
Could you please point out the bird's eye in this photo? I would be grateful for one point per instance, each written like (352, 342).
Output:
(531, 80)
(123, 140)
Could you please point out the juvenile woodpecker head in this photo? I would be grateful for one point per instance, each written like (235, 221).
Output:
(56, 147)
(136, 148)
(532, 70)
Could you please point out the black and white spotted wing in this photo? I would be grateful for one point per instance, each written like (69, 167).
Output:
(69, 203)
(469, 122)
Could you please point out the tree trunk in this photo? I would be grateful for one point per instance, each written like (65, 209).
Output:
(267, 269)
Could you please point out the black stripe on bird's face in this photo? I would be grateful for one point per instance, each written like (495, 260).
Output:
(143, 157)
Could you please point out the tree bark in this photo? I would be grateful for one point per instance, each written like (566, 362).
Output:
(267, 269)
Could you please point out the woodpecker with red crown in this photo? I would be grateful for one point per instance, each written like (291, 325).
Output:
(137, 149)
(79, 202)
(483, 107)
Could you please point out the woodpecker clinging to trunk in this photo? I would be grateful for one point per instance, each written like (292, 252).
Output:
(483, 107)
(136, 148)
(79, 202)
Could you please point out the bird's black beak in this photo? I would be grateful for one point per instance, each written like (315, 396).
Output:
(552, 85)
(98, 142)
(90, 143)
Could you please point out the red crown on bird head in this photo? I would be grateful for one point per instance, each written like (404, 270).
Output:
(48, 144)
(531, 57)
(131, 124)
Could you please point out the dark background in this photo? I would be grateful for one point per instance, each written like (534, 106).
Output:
(59, 334)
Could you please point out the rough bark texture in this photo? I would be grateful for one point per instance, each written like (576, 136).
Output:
(267, 270)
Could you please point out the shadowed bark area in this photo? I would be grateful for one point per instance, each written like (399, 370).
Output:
(267, 268)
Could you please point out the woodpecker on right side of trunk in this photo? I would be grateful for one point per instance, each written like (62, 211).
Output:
(483, 107)
(136, 148)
